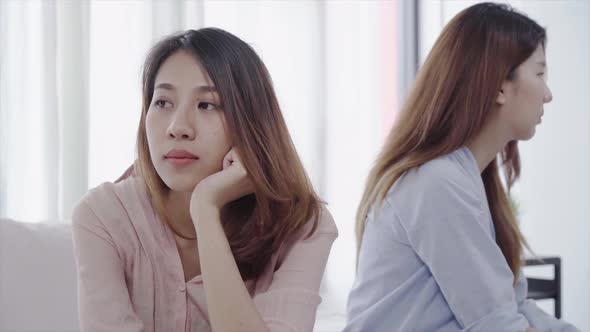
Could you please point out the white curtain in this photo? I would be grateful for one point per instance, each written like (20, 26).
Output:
(70, 95)
(43, 106)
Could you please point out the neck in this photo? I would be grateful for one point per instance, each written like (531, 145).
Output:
(490, 141)
(177, 209)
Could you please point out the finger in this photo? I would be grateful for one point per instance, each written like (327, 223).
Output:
(228, 160)
(235, 155)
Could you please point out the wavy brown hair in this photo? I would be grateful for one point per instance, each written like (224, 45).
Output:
(284, 200)
(452, 97)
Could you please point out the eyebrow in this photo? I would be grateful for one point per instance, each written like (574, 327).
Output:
(200, 88)
(542, 63)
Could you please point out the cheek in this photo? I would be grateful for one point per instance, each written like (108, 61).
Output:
(220, 135)
(535, 92)
(153, 135)
(149, 130)
(227, 143)
(153, 126)
(224, 138)
(222, 144)
(527, 104)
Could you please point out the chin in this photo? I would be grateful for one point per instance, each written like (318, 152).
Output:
(528, 135)
(181, 188)
(180, 183)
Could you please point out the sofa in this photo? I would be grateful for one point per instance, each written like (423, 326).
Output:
(37, 277)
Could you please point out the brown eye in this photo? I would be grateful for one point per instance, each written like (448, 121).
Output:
(162, 104)
(207, 106)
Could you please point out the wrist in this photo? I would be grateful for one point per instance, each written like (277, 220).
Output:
(202, 210)
(206, 194)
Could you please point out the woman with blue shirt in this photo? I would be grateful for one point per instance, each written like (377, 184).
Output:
(439, 245)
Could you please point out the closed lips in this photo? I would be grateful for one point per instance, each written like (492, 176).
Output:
(180, 154)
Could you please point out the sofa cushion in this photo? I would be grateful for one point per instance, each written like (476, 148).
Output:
(37, 277)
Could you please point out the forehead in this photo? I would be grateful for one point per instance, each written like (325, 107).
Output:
(182, 68)
(538, 57)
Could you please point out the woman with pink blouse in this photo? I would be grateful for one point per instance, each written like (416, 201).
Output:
(217, 226)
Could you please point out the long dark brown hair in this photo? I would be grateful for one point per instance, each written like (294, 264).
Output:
(284, 200)
(454, 92)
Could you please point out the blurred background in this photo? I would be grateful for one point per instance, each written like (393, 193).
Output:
(70, 102)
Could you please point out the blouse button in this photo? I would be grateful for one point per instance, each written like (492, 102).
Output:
(181, 288)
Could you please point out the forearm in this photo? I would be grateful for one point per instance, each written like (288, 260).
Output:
(229, 304)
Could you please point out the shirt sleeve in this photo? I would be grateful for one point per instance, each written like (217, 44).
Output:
(538, 318)
(449, 231)
(103, 298)
(291, 301)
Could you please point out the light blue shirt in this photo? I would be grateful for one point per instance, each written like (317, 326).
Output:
(429, 260)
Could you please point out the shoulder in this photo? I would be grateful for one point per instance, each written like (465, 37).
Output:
(109, 204)
(326, 227)
(447, 183)
(441, 173)
(450, 173)
(320, 239)
(326, 223)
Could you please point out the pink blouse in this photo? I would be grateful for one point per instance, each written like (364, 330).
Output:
(130, 277)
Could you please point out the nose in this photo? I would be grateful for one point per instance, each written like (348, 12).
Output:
(180, 128)
(548, 96)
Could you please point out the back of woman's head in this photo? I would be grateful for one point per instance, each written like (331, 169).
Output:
(453, 96)
(284, 200)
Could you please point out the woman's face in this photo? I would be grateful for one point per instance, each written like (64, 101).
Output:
(525, 96)
(185, 127)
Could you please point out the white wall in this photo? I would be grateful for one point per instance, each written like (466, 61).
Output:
(554, 190)
(363, 71)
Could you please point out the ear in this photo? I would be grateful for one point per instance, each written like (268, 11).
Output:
(501, 98)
